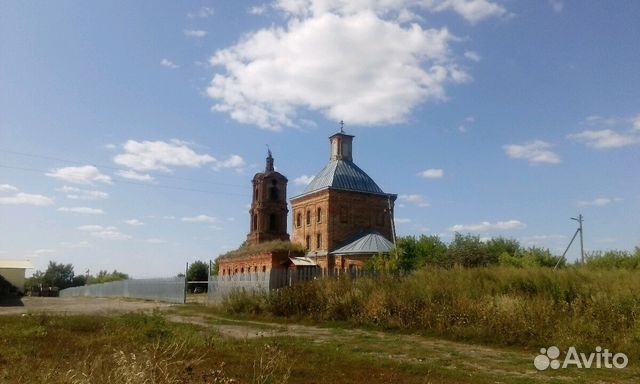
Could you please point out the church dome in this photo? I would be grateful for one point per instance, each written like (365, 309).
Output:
(343, 175)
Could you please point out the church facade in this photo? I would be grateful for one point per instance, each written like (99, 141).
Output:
(341, 219)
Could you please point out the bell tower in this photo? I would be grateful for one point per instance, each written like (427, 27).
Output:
(268, 206)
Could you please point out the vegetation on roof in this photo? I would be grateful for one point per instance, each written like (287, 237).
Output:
(270, 246)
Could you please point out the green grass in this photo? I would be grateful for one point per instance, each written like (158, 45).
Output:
(523, 307)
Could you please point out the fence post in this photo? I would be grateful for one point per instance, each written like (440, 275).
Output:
(186, 283)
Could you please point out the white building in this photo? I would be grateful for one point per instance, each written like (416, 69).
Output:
(13, 271)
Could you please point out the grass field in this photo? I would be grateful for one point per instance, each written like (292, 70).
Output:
(196, 344)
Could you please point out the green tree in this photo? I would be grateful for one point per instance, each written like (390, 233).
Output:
(498, 246)
(58, 275)
(198, 271)
(107, 277)
(468, 251)
(415, 253)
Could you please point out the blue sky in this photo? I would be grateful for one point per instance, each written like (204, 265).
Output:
(130, 131)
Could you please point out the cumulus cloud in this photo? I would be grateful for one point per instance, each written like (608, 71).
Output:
(86, 174)
(168, 64)
(200, 219)
(536, 152)
(133, 175)
(432, 173)
(415, 199)
(486, 226)
(82, 210)
(201, 13)
(599, 202)
(195, 33)
(233, 162)
(303, 180)
(159, 156)
(21, 198)
(8, 188)
(259, 9)
(605, 139)
(636, 123)
(106, 233)
(316, 63)
(74, 193)
(471, 10)
(134, 222)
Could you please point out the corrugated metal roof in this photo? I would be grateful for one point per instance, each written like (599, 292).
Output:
(302, 262)
(367, 243)
(344, 175)
(18, 264)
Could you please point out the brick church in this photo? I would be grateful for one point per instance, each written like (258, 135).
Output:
(342, 219)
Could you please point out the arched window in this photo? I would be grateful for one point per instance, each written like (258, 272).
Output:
(273, 223)
(242, 270)
(319, 241)
(308, 217)
(264, 268)
(255, 222)
(273, 191)
(298, 219)
(308, 242)
(319, 215)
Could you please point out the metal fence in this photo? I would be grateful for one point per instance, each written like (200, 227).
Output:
(170, 290)
(254, 282)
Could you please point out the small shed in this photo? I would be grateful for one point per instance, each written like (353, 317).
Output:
(13, 272)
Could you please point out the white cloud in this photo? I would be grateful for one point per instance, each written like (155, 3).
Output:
(202, 13)
(44, 251)
(473, 56)
(486, 226)
(158, 156)
(535, 152)
(21, 198)
(605, 139)
(134, 222)
(314, 63)
(195, 33)
(74, 193)
(415, 199)
(303, 180)
(401, 221)
(133, 175)
(599, 202)
(556, 5)
(471, 10)
(233, 162)
(432, 173)
(200, 219)
(8, 188)
(168, 64)
(636, 123)
(106, 233)
(82, 210)
(87, 174)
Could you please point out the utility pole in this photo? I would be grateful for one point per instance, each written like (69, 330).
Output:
(579, 220)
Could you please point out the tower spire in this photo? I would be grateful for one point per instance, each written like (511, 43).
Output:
(269, 165)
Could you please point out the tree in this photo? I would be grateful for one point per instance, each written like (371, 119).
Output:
(198, 271)
(106, 277)
(415, 252)
(468, 251)
(58, 275)
(498, 246)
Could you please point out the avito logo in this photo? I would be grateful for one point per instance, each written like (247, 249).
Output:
(549, 358)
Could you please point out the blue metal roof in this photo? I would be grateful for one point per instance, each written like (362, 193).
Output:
(343, 175)
(366, 243)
